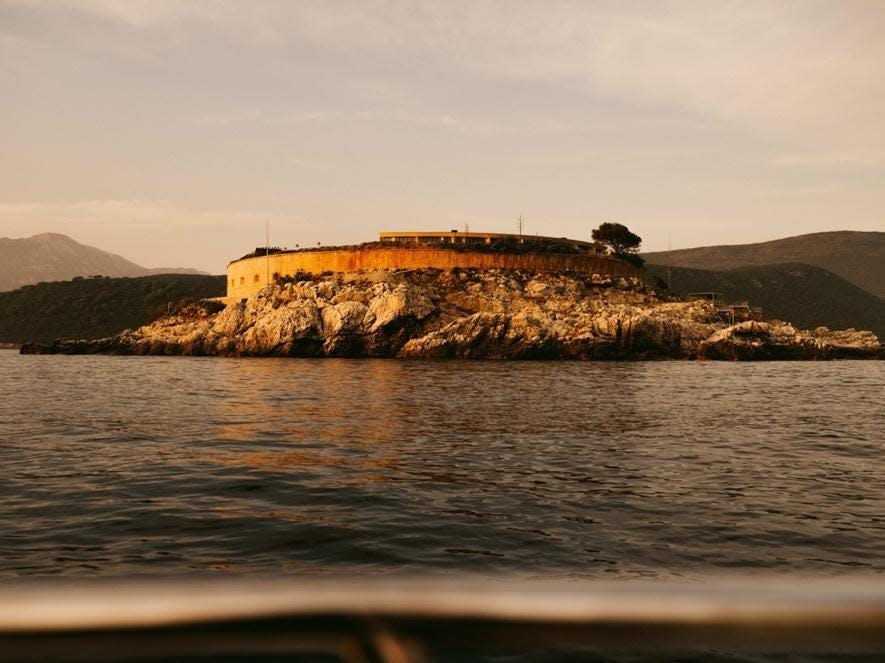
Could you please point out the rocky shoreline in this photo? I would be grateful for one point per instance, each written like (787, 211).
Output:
(475, 314)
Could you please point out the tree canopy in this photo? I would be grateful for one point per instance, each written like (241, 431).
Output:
(620, 241)
(95, 307)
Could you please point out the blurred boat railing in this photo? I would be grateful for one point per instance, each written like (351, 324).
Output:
(400, 620)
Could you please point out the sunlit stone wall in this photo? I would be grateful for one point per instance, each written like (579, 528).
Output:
(245, 277)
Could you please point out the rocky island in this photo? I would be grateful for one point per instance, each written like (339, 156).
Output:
(469, 313)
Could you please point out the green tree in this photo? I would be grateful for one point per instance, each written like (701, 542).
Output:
(620, 242)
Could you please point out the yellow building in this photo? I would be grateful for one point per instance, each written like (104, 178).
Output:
(432, 238)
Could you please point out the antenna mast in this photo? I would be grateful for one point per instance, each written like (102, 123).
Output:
(267, 249)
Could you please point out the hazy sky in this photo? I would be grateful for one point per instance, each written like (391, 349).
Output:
(170, 131)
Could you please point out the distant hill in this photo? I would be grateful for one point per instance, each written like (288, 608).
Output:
(858, 257)
(96, 307)
(806, 295)
(54, 257)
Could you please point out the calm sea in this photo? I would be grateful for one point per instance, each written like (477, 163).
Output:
(116, 465)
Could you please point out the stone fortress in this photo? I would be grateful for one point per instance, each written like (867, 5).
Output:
(426, 250)
(468, 296)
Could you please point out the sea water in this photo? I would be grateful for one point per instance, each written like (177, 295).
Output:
(170, 466)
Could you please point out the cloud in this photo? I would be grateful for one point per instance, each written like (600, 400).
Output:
(133, 13)
(862, 158)
(228, 119)
(414, 111)
(329, 118)
(771, 68)
(788, 68)
(120, 213)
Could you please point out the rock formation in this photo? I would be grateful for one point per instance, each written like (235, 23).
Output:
(470, 314)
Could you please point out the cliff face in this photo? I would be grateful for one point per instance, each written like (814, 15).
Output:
(469, 314)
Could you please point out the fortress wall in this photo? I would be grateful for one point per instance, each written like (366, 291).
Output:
(245, 277)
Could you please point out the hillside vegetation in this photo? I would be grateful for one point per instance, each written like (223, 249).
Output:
(858, 257)
(54, 257)
(805, 295)
(96, 307)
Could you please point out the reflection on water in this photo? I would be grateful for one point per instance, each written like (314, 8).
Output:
(168, 465)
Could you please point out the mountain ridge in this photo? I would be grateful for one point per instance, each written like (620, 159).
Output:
(57, 257)
(856, 256)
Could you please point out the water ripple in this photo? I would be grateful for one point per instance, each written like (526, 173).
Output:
(118, 465)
